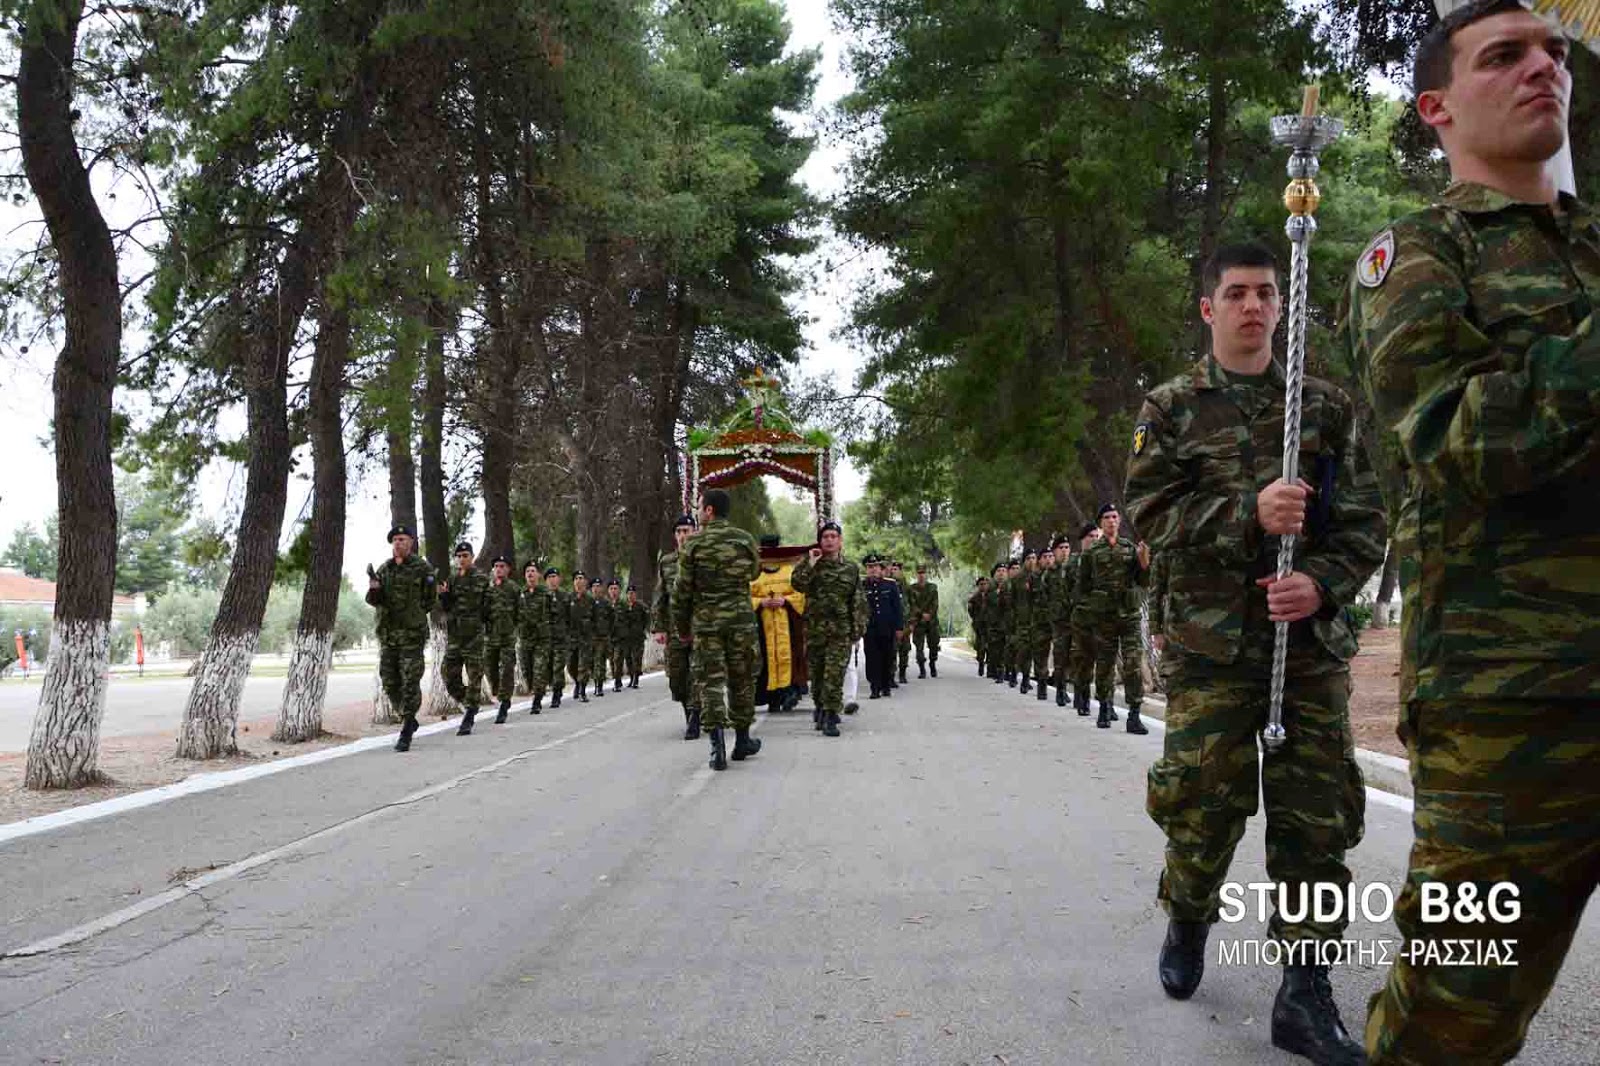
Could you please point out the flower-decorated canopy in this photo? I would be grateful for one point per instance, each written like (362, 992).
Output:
(760, 439)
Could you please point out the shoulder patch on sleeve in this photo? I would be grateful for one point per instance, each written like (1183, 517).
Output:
(1141, 437)
(1376, 261)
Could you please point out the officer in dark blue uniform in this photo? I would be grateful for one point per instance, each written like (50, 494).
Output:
(886, 618)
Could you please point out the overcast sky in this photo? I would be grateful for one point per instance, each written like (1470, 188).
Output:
(27, 477)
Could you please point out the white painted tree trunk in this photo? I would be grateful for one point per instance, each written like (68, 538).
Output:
(300, 718)
(211, 720)
(64, 749)
(436, 701)
(383, 712)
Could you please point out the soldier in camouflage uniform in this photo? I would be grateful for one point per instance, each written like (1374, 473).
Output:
(1043, 632)
(1024, 580)
(1204, 486)
(1003, 605)
(500, 638)
(634, 626)
(1083, 654)
(902, 643)
(580, 636)
(614, 644)
(835, 619)
(465, 598)
(680, 674)
(977, 611)
(1473, 331)
(1061, 599)
(602, 622)
(533, 635)
(1109, 581)
(711, 611)
(922, 605)
(403, 591)
(552, 668)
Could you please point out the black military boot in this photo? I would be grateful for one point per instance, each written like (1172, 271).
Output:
(635, 683)
(1081, 701)
(1305, 1019)
(1134, 724)
(852, 707)
(1104, 721)
(902, 675)
(981, 672)
(619, 685)
(1026, 688)
(933, 667)
(581, 694)
(922, 672)
(744, 745)
(505, 709)
(599, 690)
(1061, 695)
(816, 718)
(1044, 689)
(692, 730)
(555, 697)
(830, 725)
(407, 729)
(538, 705)
(1183, 957)
(719, 750)
(466, 722)
(1011, 678)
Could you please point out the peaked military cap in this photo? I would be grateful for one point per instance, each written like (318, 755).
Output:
(402, 531)
(462, 547)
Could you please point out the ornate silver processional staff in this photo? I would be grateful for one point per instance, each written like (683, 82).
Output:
(1305, 135)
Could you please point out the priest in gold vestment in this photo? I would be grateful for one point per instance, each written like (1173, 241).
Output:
(779, 608)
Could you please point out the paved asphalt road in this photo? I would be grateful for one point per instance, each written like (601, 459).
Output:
(135, 705)
(966, 876)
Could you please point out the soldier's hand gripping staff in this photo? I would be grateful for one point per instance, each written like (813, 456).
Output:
(533, 636)
(403, 591)
(580, 635)
(836, 617)
(711, 611)
(465, 597)
(1472, 327)
(680, 675)
(1204, 487)
(500, 636)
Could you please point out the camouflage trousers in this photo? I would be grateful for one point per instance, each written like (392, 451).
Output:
(1207, 783)
(680, 672)
(1117, 638)
(980, 643)
(925, 635)
(400, 667)
(598, 657)
(500, 667)
(1505, 791)
(544, 664)
(999, 651)
(903, 648)
(630, 658)
(1061, 652)
(725, 677)
(1021, 648)
(1083, 656)
(1041, 651)
(579, 661)
(469, 654)
(828, 654)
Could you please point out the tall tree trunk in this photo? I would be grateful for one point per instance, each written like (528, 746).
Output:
(436, 522)
(1386, 583)
(402, 468)
(1216, 164)
(300, 718)
(64, 749)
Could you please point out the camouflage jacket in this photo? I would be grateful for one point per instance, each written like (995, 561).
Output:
(633, 622)
(1061, 592)
(1472, 329)
(922, 599)
(466, 602)
(534, 614)
(661, 606)
(834, 601)
(1202, 448)
(503, 601)
(558, 605)
(978, 608)
(1022, 588)
(605, 619)
(1109, 578)
(404, 597)
(1000, 605)
(580, 618)
(715, 569)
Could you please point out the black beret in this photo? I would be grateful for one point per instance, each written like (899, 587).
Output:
(633, 588)
(1062, 542)
(462, 547)
(579, 573)
(402, 531)
(683, 520)
(1030, 554)
(613, 583)
(552, 572)
(498, 559)
(826, 526)
(1105, 509)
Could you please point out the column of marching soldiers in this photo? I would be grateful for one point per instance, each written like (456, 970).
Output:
(1056, 615)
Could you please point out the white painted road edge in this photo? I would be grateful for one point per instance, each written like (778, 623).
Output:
(80, 933)
(206, 782)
